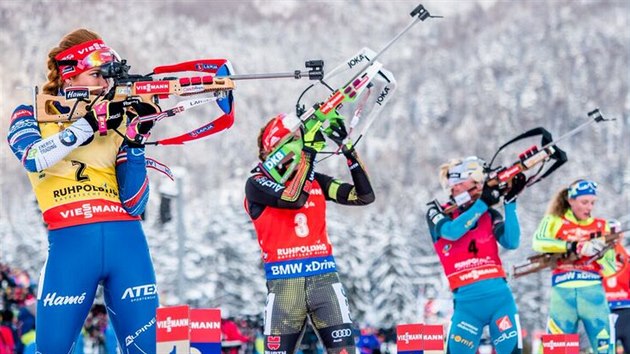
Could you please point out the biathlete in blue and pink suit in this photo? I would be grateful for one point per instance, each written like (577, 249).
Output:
(465, 240)
(91, 189)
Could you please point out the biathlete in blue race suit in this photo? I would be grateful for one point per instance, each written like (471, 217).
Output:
(466, 243)
(91, 189)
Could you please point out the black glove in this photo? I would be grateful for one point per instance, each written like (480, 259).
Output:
(136, 132)
(518, 185)
(111, 114)
(490, 195)
(348, 150)
(337, 131)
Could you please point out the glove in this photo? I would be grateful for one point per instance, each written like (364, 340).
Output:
(138, 132)
(315, 140)
(518, 185)
(105, 115)
(590, 248)
(337, 131)
(490, 195)
(348, 150)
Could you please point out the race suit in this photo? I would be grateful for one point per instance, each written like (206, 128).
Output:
(577, 292)
(466, 244)
(302, 278)
(91, 190)
(617, 287)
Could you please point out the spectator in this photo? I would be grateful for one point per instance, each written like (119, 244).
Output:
(368, 341)
(232, 338)
(7, 341)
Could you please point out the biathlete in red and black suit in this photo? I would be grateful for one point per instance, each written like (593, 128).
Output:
(289, 216)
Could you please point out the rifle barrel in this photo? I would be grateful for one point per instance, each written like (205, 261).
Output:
(297, 74)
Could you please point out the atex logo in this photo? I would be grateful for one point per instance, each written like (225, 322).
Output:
(140, 292)
(341, 333)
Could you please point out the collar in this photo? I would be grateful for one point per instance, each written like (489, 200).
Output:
(571, 217)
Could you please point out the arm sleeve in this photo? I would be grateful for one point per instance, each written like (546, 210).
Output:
(454, 229)
(544, 239)
(508, 232)
(133, 183)
(436, 218)
(261, 192)
(360, 192)
(608, 263)
(37, 153)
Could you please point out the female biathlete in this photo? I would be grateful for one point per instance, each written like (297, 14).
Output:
(577, 293)
(289, 215)
(465, 240)
(91, 189)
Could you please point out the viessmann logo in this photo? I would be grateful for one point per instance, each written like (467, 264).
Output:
(409, 337)
(152, 87)
(169, 324)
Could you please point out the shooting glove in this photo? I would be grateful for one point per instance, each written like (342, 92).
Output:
(590, 248)
(137, 131)
(337, 131)
(490, 195)
(315, 140)
(518, 185)
(105, 115)
(348, 150)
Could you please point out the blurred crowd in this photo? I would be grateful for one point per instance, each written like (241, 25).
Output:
(17, 311)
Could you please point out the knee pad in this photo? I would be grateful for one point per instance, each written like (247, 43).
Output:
(337, 336)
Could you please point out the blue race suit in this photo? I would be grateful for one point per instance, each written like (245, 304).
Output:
(91, 190)
(466, 243)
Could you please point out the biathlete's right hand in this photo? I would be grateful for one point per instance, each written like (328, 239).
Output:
(315, 140)
(490, 195)
(590, 248)
(105, 115)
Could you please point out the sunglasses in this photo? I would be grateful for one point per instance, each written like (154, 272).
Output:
(582, 186)
(94, 60)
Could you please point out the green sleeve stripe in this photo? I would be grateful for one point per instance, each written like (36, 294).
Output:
(333, 188)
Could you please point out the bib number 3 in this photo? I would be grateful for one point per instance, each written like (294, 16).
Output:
(301, 225)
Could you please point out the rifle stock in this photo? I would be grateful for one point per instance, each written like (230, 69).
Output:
(542, 261)
(147, 91)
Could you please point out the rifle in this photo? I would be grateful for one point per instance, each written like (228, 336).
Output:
(324, 116)
(550, 260)
(501, 177)
(215, 80)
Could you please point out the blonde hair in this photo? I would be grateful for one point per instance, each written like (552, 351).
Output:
(443, 174)
(477, 175)
(71, 39)
(560, 202)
